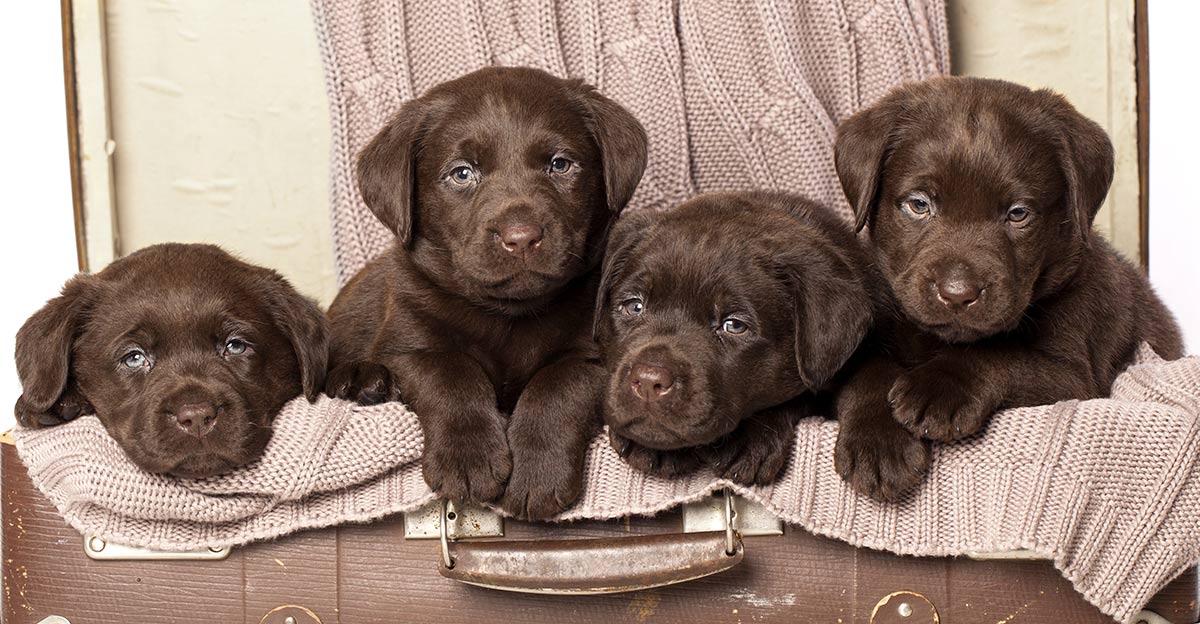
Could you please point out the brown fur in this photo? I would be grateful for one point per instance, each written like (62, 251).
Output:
(684, 386)
(467, 326)
(978, 197)
(179, 305)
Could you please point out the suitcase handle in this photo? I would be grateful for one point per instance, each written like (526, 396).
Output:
(593, 566)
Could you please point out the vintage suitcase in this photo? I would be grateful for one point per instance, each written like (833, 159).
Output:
(373, 573)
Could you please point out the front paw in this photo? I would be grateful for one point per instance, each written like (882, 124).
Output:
(941, 401)
(472, 465)
(542, 485)
(755, 456)
(68, 407)
(666, 464)
(881, 460)
(365, 383)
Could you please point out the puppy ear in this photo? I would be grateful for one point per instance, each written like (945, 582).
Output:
(622, 143)
(623, 239)
(1087, 156)
(44, 344)
(387, 167)
(833, 312)
(306, 329)
(858, 155)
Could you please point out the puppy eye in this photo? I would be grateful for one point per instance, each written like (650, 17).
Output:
(135, 359)
(235, 347)
(560, 165)
(734, 326)
(1017, 215)
(917, 205)
(462, 175)
(633, 306)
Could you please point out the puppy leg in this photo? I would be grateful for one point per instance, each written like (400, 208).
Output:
(666, 464)
(466, 455)
(551, 425)
(874, 454)
(955, 393)
(68, 407)
(361, 381)
(756, 452)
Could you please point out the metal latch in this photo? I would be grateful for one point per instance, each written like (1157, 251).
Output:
(749, 517)
(97, 548)
(463, 521)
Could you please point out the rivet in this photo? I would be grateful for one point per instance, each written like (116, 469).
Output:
(96, 544)
(289, 620)
(904, 609)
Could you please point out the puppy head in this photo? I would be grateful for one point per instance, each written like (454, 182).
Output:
(979, 194)
(725, 306)
(184, 352)
(502, 183)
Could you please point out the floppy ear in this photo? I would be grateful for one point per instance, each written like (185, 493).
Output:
(44, 344)
(387, 167)
(629, 230)
(1087, 156)
(306, 329)
(833, 312)
(622, 143)
(858, 155)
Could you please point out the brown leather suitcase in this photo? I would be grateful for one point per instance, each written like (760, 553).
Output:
(372, 573)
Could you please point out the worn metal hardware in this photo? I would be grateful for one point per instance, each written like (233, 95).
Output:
(1006, 554)
(1147, 616)
(97, 548)
(749, 517)
(54, 619)
(464, 521)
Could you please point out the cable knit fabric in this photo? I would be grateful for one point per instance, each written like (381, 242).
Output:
(733, 96)
(1108, 489)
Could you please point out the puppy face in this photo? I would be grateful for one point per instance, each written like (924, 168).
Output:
(727, 305)
(980, 196)
(184, 352)
(503, 182)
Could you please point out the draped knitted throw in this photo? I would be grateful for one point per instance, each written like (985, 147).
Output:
(733, 96)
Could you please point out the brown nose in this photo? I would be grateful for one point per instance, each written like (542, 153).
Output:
(958, 292)
(196, 419)
(521, 238)
(650, 382)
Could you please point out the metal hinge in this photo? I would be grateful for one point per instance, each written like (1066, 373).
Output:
(749, 517)
(463, 521)
(97, 548)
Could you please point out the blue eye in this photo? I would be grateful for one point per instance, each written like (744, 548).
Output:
(633, 306)
(560, 165)
(235, 347)
(135, 360)
(1017, 215)
(917, 205)
(734, 326)
(462, 175)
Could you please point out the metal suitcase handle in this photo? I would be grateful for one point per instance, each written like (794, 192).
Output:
(593, 566)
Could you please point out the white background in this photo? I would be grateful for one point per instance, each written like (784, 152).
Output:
(37, 231)
(1174, 161)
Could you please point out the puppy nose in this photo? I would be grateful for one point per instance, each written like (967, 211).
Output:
(650, 382)
(521, 237)
(958, 292)
(196, 418)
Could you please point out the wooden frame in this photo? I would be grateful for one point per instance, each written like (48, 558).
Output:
(89, 132)
(1142, 61)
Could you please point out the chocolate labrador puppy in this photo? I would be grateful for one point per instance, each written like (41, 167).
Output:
(500, 187)
(979, 196)
(718, 320)
(184, 353)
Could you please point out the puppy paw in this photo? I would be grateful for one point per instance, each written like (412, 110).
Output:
(754, 454)
(471, 465)
(941, 401)
(365, 383)
(664, 464)
(541, 487)
(882, 462)
(70, 405)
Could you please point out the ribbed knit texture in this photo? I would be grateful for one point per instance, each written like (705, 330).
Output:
(733, 96)
(1109, 489)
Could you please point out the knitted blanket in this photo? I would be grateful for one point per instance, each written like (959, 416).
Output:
(1109, 489)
